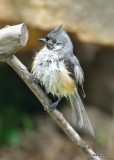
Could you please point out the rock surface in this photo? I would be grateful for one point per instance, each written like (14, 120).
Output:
(92, 21)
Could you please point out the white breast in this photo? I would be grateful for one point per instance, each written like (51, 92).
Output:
(52, 73)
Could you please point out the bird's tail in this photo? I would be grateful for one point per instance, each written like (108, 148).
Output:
(79, 114)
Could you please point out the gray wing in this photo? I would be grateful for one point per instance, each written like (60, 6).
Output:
(74, 65)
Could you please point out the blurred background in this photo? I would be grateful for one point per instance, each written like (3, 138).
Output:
(26, 131)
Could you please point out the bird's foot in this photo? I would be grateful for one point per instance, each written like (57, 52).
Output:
(54, 105)
(34, 80)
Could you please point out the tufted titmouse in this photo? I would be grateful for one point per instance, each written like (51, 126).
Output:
(59, 71)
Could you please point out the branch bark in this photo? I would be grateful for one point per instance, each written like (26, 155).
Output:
(12, 38)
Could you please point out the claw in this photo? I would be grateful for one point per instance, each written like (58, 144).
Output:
(35, 80)
(54, 106)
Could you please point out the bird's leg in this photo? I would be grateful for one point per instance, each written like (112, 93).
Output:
(35, 80)
(54, 105)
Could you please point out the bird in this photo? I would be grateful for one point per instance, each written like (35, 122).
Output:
(57, 68)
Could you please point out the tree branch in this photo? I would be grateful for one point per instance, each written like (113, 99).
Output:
(12, 38)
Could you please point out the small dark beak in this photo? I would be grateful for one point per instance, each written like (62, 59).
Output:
(42, 40)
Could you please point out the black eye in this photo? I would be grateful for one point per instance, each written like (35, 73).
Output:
(54, 41)
(47, 38)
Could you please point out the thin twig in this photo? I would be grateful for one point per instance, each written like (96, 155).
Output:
(22, 71)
